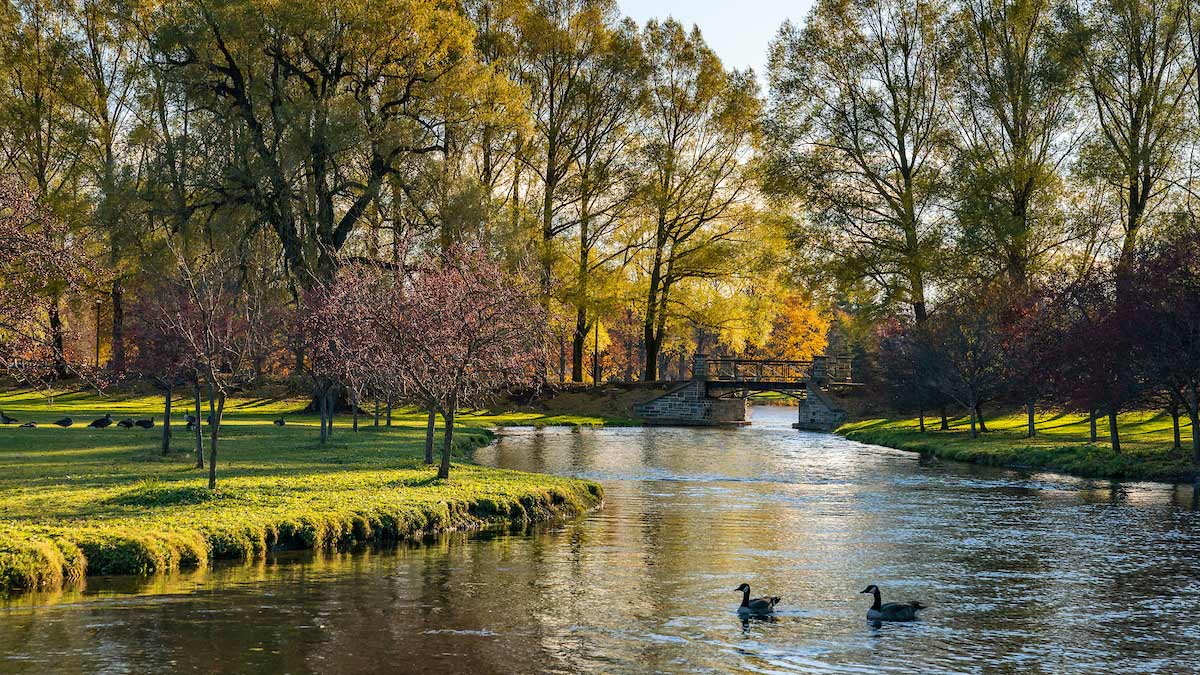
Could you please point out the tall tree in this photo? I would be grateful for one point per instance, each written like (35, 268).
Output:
(108, 55)
(700, 132)
(1136, 64)
(604, 180)
(559, 41)
(858, 129)
(41, 134)
(1016, 113)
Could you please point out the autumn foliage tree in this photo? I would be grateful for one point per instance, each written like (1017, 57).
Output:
(160, 356)
(1086, 352)
(35, 264)
(222, 318)
(337, 333)
(1165, 329)
(967, 343)
(461, 331)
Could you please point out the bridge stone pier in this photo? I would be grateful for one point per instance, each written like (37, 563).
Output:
(718, 393)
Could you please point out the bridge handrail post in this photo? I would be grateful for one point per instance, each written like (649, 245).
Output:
(819, 368)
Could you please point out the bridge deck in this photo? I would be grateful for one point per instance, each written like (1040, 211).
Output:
(775, 375)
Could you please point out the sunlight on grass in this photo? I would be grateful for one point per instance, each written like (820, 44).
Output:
(1062, 444)
(106, 501)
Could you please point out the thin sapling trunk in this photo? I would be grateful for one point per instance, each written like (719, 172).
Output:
(196, 427)
(212, 441)
(1113, 434)
(166, 432)
(429, 427)
(447, 443)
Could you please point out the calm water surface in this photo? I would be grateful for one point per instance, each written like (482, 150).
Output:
(1024, 574)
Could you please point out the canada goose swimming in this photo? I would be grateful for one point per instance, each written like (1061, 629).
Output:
(64, 422)
(145, 424)
(5, 419)
(29, 425)
(757, 605)
(126, 423)
(102, 422)
(280, 422)
(892, 611)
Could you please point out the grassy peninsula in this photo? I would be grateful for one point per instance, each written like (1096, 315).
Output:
(80, 501)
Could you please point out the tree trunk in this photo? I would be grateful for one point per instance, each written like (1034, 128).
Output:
(1092, 426)
(116, 360)
(1029, 417)
(330, 402)
(212, 442)
(447, 442)
(196, 428)
(974, 414)
(429, 426)
(321, 410)
(651, 338)
(562, 359)
(945, 424)
(1175, 426)
(1113, 434)
(354, 405)
(377, 412)
(921, 417)
(389, 410)
(578, 341)
(1194, 417)
(56, 339)
(166, 431)
(979, 416)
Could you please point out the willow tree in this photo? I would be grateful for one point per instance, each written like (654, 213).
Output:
(327, 102)
(1013, 90)
(699, 134)
(857, 129)
(1138, 70)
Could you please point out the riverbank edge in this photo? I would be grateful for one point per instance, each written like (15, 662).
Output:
(49, 557)
(1082, 460)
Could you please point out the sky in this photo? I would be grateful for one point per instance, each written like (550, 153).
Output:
(737, 30)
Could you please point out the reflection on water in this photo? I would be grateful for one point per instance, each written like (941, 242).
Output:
(1024, 573)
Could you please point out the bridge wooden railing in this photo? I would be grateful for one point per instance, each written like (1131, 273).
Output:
(836, 369)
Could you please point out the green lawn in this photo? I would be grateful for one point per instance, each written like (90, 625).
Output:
(83, 501)
(1062, 444)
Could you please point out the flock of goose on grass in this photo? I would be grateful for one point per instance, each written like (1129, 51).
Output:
(98, 423)
(878, 612)
(107, 420)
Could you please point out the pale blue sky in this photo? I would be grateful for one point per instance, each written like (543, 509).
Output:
(737, 30)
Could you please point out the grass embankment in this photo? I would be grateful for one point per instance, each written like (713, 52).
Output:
(1061, 445)
(80, 501)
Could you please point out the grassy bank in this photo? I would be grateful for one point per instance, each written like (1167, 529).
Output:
(1062, 445)
(80, 501)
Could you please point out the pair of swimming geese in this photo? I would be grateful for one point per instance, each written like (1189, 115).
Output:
(879, 611)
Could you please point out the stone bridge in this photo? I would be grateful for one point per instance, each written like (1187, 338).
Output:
(718, 393)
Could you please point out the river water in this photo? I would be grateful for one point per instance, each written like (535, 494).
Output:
(1023, 574)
